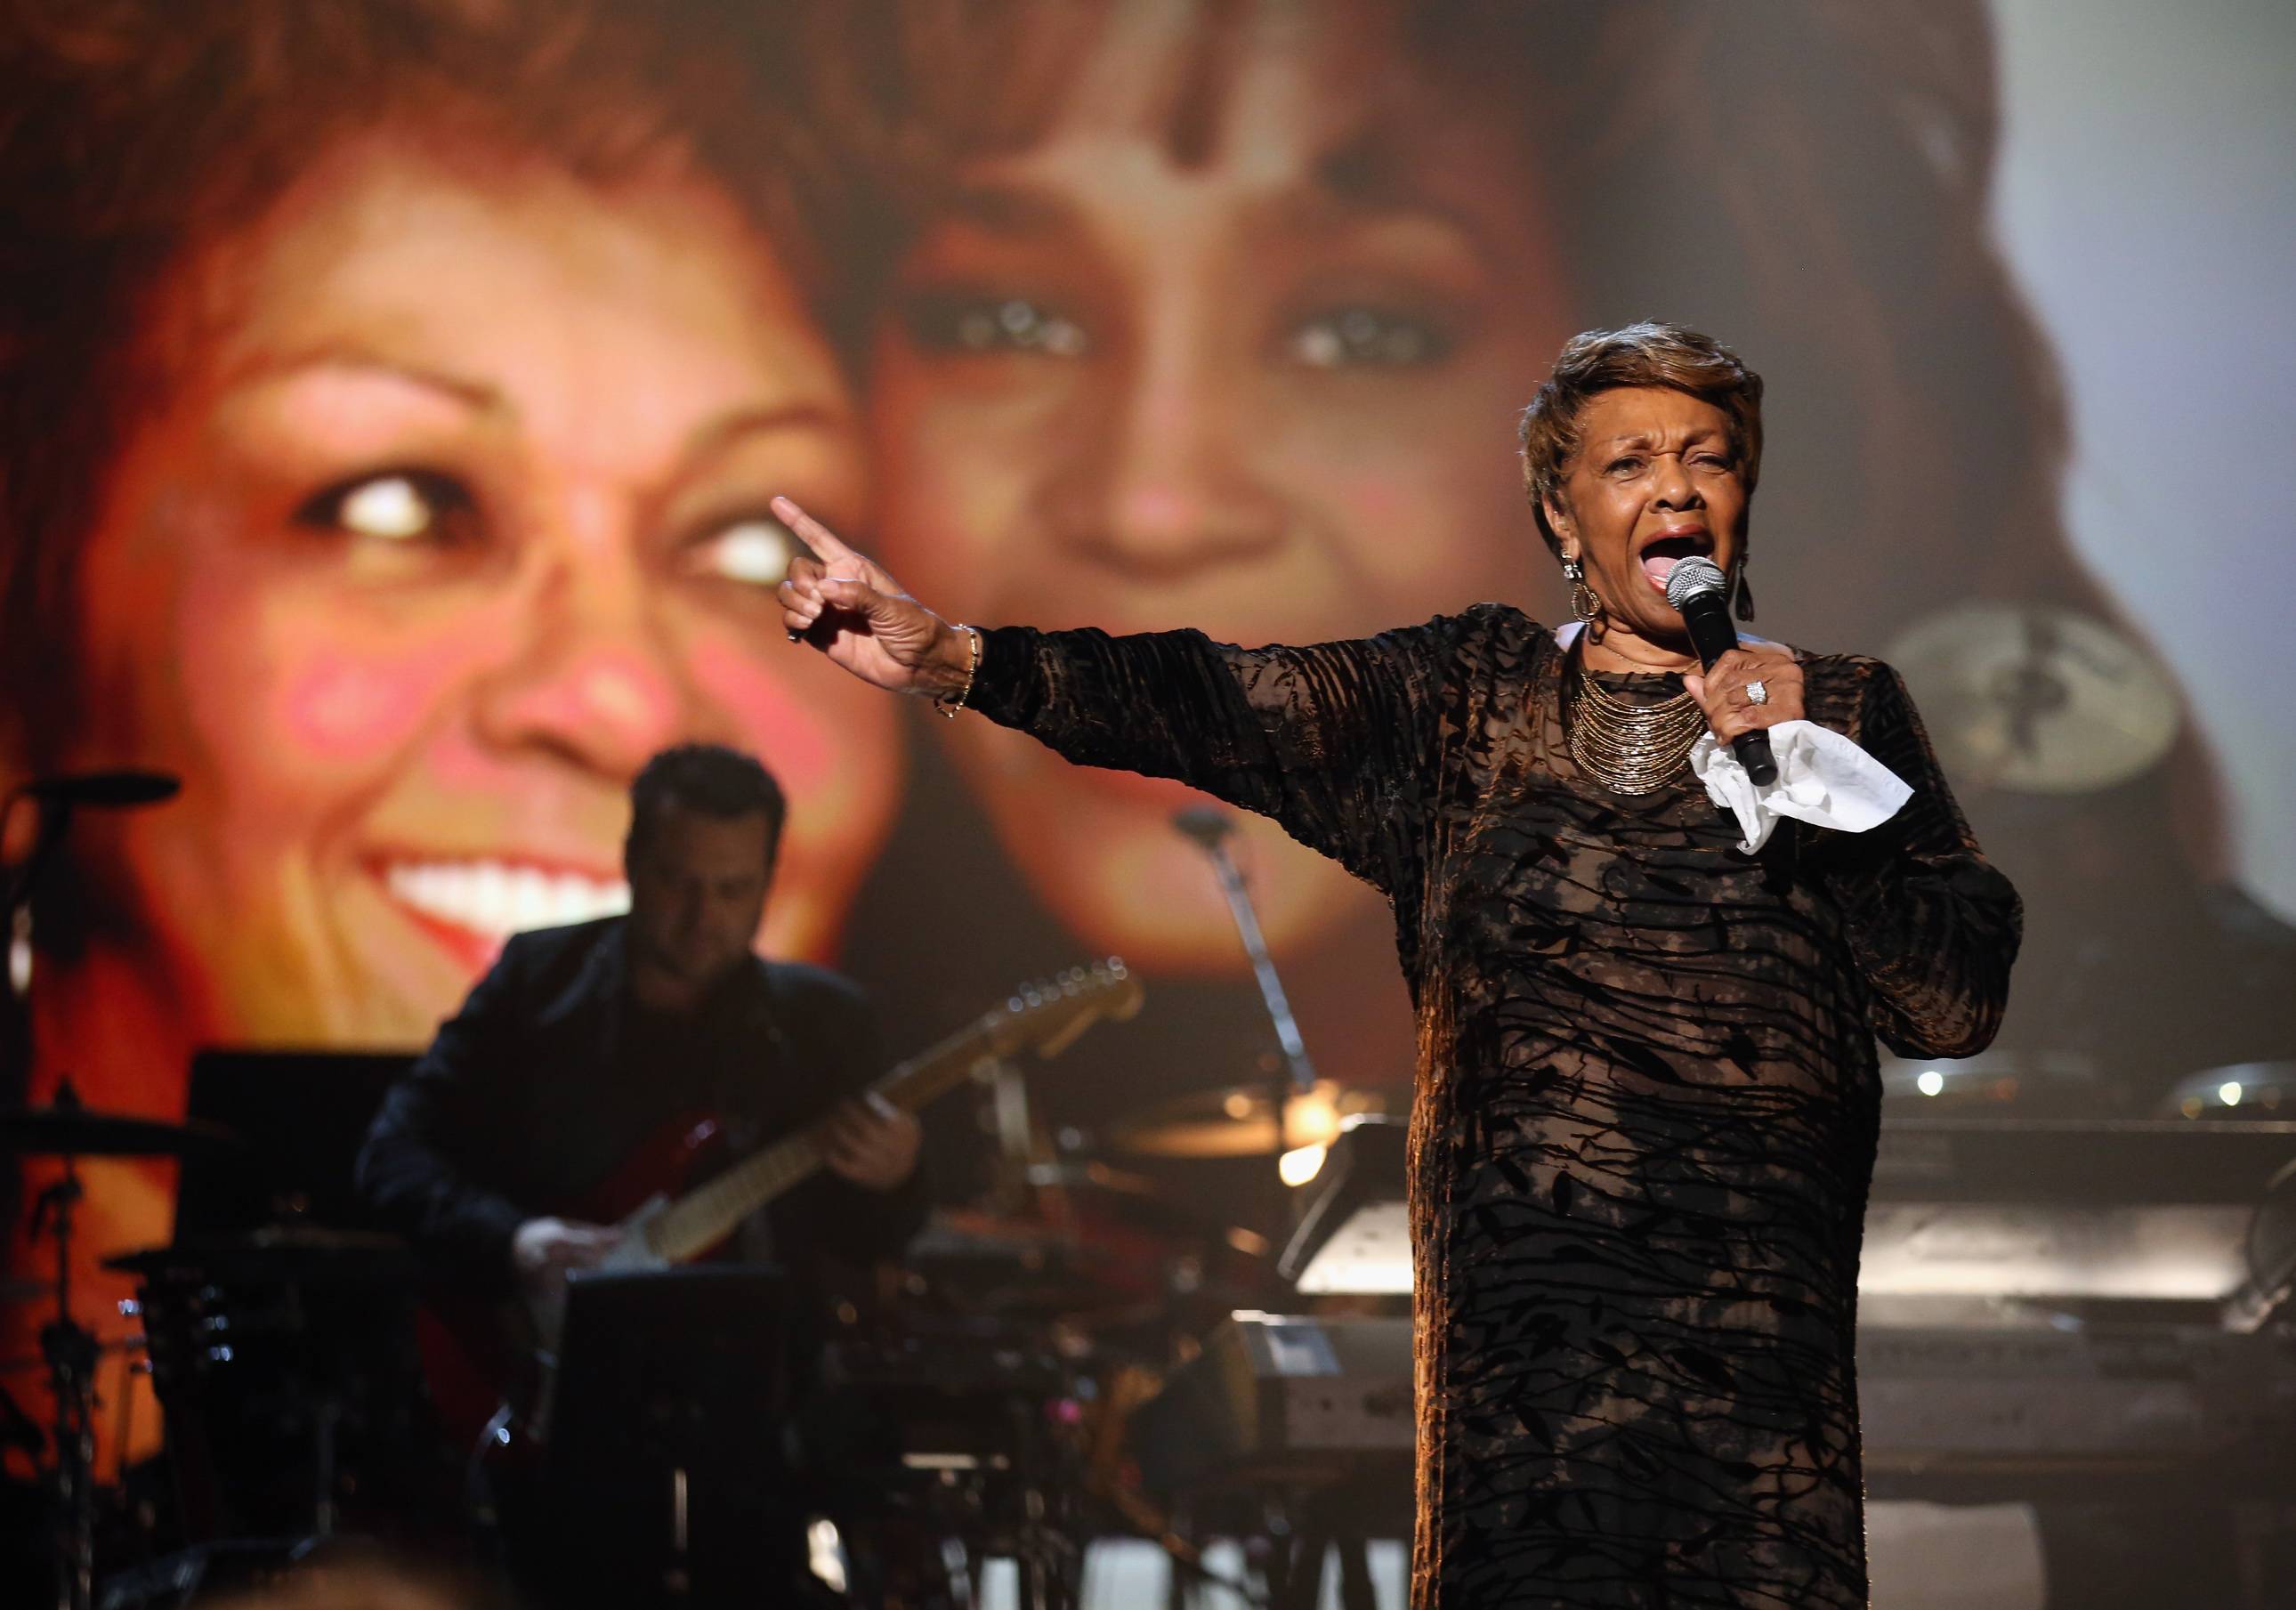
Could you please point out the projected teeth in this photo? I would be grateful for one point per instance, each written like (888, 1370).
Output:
(497, 899)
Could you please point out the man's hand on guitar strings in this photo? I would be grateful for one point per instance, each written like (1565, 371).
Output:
(544, 1250)
(872, 1143)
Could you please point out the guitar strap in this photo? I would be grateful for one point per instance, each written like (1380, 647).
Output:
(750, 1067)
(751, 1062)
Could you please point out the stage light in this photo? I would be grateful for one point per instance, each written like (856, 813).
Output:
(2245, 1092)
(1300, 1164)
(824, 1552)
(1930, 1083)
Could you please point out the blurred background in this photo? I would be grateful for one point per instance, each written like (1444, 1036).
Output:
(390, 394)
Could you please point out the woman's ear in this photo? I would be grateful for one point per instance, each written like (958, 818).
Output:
(1557, 519)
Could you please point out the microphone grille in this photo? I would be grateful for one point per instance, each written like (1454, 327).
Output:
(1691, 576)
(1208, 825)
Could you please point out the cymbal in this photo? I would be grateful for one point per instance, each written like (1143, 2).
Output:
(1092, 1193)
(1067, 1204)
(294, 1253)
(1240, 1122)
(2038, 699)
(1076, 1174)
(2245, 1089)
(76, 1131)
(2027, 1078)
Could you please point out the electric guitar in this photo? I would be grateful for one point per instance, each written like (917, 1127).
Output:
(472, 1362)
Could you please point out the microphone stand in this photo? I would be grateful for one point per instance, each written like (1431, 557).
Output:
(1211, 829)
(69, 1349)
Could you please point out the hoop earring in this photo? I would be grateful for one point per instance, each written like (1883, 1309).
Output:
(1586, 604)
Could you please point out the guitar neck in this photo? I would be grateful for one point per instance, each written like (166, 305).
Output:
(705, 1216)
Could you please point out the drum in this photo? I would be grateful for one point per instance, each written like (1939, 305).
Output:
(285, 1366)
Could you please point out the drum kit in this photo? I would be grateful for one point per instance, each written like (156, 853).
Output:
(976, 1413)
(1027, 1332)
(277, 1357)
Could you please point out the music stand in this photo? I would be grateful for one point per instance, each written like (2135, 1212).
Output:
(317, 1417)
(304, 1116)
(668, 1475)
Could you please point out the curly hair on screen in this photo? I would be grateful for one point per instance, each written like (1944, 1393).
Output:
(137, 134)
(1814, 180)
(1811, 179)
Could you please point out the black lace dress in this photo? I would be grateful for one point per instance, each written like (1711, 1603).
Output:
(1646, 1101)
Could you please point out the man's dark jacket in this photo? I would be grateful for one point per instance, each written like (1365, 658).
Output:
(540, 1088)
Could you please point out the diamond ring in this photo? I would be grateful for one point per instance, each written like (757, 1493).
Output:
(1756, 692)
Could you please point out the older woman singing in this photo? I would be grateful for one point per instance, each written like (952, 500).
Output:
(1647, 1102)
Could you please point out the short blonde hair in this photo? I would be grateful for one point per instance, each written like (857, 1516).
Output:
(1647, 354)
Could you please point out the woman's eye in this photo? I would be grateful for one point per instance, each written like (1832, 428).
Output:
(1626, 466)
(986, 324)
(396, 506)
(1351, 337)
(754, 550)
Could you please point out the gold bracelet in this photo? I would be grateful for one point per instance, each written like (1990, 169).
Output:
(949, 707)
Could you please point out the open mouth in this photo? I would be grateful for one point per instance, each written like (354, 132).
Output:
(1663, 551)
(493, 900)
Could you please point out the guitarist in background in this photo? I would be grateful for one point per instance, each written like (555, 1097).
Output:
(583, 1043)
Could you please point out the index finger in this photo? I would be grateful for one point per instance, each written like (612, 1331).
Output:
(826, 545)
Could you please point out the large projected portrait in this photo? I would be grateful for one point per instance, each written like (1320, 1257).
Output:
(392, 409)
(1217, 317)
(403, 488)
(391, 393)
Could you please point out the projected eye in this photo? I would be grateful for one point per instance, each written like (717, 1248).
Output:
(1366, 337)
(754, 549)
(956, 324)
(394, 506)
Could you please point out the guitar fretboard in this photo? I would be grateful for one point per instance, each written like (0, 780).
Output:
(705, 1216)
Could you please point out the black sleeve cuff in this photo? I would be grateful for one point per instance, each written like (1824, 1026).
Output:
(1003, 686)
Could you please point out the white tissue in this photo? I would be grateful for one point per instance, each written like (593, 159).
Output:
(1822, 779)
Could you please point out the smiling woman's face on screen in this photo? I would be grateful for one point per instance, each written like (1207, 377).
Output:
(1266, 389)
(448, 512)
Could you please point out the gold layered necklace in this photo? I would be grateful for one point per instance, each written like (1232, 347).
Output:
(1629, 749)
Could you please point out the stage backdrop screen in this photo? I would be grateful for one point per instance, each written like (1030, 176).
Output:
(391, 393)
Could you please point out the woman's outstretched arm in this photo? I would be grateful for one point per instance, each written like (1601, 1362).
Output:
(1333, 741)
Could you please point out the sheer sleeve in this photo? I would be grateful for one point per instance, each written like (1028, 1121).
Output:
(1933, 925)
(1335, 742)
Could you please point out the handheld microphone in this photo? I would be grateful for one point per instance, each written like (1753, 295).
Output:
(1697, 589)
(115, 790)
